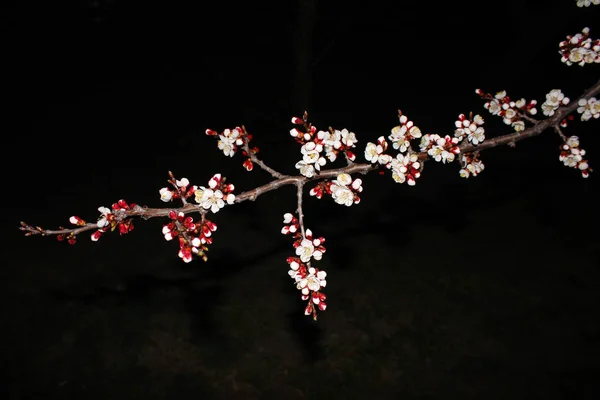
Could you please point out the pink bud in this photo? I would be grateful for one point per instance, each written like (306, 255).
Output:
(248, 165)
(76, 221)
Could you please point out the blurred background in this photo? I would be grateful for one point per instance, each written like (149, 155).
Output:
(478, 288)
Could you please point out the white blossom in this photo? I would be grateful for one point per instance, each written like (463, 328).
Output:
(165, 194)
(314, 281)
(342, 195)
(308, 170)
(210, 199)
(305, 250)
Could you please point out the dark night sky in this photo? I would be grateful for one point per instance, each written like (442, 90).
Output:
(116, 84)
(104, 97)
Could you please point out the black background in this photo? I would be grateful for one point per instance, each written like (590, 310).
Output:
(478, 288)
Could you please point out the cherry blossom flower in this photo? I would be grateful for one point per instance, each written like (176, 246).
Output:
(374, 152)
(227, 146)
(471, 166)
(553, 100)
(441, 149)
(518, 126)
(511, 111)
(308, 170)
(104, 216)
(344, 190)
(494, 106)
(348, 138)
(589, 108)
(314, 281)
(470, 128)
(165, 194)
(209, 199)
(332, 143)
(571, 156)
(580, 49)
(402, 134)
(305, 250)
(183, 183)
(311, 154)
(342, 194)
(587, 3)
(336, 141)
(405, 167)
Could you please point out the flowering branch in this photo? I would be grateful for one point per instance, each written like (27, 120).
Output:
(320, 147)
(539, 126)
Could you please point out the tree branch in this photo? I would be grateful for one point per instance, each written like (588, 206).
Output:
(300, 181)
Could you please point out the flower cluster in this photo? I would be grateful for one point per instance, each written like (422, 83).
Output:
(315, 143)
(215, 195)
(110, 219)
(440, 148)
(375, 152)
(308, 280)
(572, 156)
(404, 133)
(587, 3)
(512, 112)
(554, 99)
(183, 190)
(193, 237)
(588, 108)
(470, 165)
(343, 189)
(471, 128)
(406, 166)
(580, 49)
(230, 140)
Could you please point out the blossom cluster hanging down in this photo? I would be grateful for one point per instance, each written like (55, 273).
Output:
(571, 156)
(308, 279)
